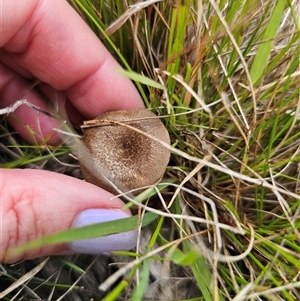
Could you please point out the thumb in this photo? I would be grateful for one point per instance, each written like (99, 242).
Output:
(35, 203)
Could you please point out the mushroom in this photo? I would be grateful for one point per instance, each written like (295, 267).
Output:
(113, 153)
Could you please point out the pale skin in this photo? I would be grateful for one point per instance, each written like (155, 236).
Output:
(48, 41)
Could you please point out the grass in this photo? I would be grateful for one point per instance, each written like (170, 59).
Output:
(224, 77)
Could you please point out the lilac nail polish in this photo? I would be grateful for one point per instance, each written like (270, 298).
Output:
(114, 242)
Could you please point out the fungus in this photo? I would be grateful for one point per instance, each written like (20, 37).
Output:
(112, 152)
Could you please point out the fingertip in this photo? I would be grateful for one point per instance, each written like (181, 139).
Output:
(27, 112)
(40, 203)
(104, 90)
(113, 242)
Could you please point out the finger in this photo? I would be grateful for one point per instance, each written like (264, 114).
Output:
(35, 126)
(61, 104)
(32, 125)
(47, 203)
(53, 44)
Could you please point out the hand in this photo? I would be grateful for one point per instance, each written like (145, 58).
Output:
(48, 41)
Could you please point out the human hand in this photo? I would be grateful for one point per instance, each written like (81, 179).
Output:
(48, 41)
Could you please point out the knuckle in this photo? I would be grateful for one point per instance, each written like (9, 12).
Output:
(19, 220)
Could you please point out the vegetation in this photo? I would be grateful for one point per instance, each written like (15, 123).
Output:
(224, 222)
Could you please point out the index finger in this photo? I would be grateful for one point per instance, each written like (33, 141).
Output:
(51, 42)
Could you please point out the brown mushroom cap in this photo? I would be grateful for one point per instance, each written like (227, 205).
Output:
(125, 157)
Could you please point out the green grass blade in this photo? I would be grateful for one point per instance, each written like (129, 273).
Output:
(140, 289)
(202, 274)
(138, 78)
(262, 56)
(91, 231)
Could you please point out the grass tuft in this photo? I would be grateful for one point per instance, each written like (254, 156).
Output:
(224, 78)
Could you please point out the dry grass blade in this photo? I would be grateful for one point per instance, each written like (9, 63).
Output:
(223, 77)
(29, 275)
(133, 9)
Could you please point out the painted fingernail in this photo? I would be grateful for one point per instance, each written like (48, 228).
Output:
(114, 242)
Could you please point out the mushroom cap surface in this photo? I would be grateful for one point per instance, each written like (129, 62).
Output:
(112, 152)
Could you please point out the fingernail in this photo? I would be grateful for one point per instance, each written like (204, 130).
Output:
(114, 242)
